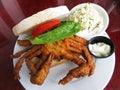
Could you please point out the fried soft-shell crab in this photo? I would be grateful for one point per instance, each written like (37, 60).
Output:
(70, 49)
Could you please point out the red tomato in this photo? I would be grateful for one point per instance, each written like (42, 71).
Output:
(45, 27)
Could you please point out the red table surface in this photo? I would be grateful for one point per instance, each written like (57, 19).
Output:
(13, 11)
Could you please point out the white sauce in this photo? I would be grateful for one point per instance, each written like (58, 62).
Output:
(100, 49)
(89, 19)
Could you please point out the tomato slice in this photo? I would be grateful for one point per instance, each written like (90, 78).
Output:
(45, 27)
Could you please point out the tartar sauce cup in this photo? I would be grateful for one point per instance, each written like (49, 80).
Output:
(100, 47)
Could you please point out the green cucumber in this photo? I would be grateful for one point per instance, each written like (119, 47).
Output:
(66, 29)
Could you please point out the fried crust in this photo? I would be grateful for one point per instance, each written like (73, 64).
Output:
(69, 49)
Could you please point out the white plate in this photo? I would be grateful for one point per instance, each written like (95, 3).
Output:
(103, 72)
(102, 12)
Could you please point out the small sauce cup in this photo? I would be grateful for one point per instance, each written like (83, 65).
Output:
(101, 39)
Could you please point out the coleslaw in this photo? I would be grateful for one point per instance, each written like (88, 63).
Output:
(89, 18)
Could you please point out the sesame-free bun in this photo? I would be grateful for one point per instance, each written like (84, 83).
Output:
(31, 22)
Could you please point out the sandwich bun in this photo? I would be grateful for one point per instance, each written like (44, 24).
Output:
(58, 62)
(54, 63)
(33, 21)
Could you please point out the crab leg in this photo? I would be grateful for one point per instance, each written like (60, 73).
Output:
(20, 61)
(41, 61)
(89, 59)
(74, 58)
(77, 72)
(24, 42)
(18, 54)
(31, 66)
(82, 70)
(40, 75)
